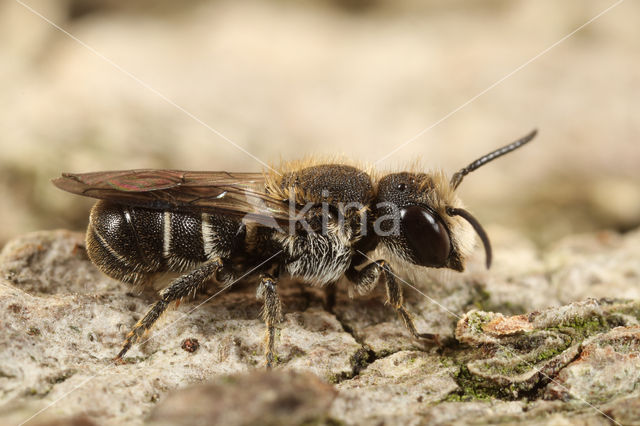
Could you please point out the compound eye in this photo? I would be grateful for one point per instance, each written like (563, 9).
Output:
(426, 236)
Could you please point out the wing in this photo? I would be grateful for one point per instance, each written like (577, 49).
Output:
(239, 194)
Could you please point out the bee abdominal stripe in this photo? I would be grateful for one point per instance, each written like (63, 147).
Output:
(166, 235)
(207, 235)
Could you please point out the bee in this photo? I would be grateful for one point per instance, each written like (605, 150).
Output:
(320, 224)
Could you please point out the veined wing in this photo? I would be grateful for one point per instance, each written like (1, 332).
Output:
(239, 194)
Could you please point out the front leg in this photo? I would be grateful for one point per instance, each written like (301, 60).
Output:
(368, 278)
(271, 314)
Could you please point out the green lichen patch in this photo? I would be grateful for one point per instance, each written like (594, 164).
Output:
(63, 376)
(361, 359)
(470, 388)
(523, 353)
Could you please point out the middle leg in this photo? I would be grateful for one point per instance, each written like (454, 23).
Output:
(271, 314)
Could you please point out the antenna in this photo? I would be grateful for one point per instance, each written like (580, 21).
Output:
(478, 228)
(456, 179)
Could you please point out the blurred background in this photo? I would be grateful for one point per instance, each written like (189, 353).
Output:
(144, 84)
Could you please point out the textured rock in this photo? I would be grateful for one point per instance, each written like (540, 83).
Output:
(393, 389)
(608, 368)
(275, 398)
(54, 342)
(604, 264)
(63, 322)
(625, 410)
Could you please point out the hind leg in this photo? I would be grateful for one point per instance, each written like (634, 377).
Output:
(180, 287)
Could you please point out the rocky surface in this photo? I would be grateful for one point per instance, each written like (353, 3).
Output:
(347, 362)
(265, 398)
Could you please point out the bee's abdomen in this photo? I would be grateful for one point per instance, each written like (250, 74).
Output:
(131, 243)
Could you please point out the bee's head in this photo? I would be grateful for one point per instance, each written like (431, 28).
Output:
(414, 223)
(421, 220)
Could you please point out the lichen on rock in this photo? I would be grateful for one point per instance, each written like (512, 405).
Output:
(523, 353)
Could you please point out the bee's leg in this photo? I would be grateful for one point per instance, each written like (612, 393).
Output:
(367, 278)
(271, 314)
(330, 294)
(179, 288)
(396, 299)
